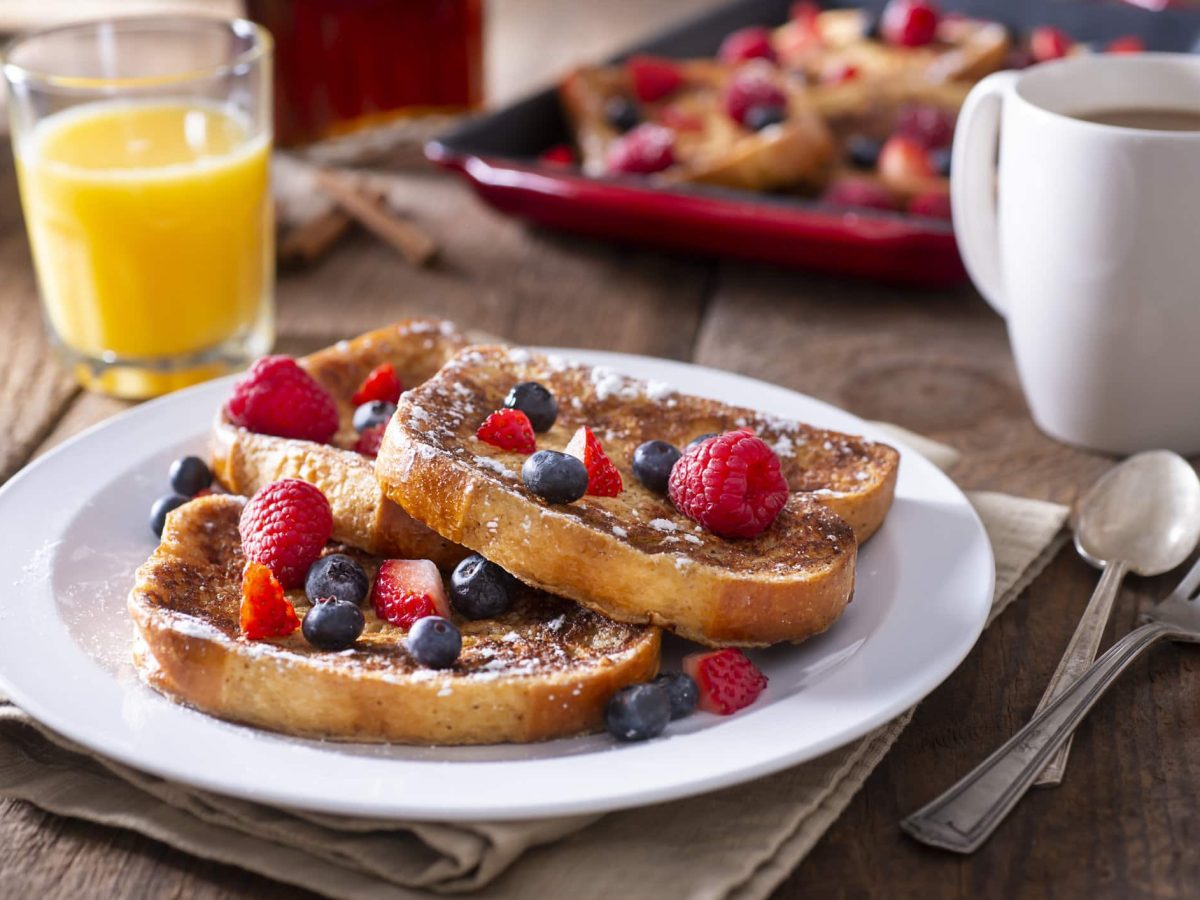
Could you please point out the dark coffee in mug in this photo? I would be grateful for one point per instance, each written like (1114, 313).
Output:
(1151, 119)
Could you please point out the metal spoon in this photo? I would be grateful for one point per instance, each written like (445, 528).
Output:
(1141, 516)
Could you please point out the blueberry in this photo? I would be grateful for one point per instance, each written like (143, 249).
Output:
(480, 589)
(434, 642)
(189, 476)
(337, 577)
(371, 413)
(700, 438)
(555, 477)
(621, 114)
(759, 117)
(638, 712)
(162, 506)
(863, 151)
(652, 464)
(536, 402)
(333, 624)
(682, 691)
(940, 160)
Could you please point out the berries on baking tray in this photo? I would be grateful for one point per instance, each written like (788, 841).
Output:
(434, 642)
(555, 477)
(480, 589)
(1047, 42)
(536, 401)
(279, 398)
(160, 508)
(381, 383)
(653, 77)
(859, 192)
(284, 526)
(372, 413)
(753, 85)
(909, 23)
(603, 478)
(621, 114)
(731, 484)
(508, 429)
(652, 463)
(333, 624)
(727, 680)
(407, 590)
(681, 690)
(638, 712)
(265, 612)
(904, 159)
(190, 475)
(337, 576)
(753, 42)
(370, 441)
(644, 150)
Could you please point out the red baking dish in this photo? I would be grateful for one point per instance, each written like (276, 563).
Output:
(498, 155)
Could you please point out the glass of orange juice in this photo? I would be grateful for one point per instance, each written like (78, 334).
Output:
(142, 148)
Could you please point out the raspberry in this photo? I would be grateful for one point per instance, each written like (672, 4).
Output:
(931, 126)
(1131, 43)
(731, 484)
(653, 77)
(381, 384)
(909, 23)
(904, 159)
(265, 612)
(935, 204)
(753, 86)
(858, 192)
(746, 43)
(603, 478)
(1047, 42)
(642, 150)
(727, 679)
(278, 397)
(508, 429)
(368, 442)
(285, 526)
(558, 155)
(408, 589)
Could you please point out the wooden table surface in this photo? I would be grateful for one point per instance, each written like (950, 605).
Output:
(1125, 822)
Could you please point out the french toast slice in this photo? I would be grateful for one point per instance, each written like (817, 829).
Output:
(245, 461)
(543, 670)
(634, 557)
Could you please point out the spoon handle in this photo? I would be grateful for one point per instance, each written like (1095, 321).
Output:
(1080, 654)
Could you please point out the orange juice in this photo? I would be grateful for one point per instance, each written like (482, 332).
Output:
(150, 224)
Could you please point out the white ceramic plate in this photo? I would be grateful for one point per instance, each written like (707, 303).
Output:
(74, 526)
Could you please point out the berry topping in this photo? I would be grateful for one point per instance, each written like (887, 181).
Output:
(754, 85)
(681, 690)
(653, 77)
(760, 117)
(935, 204)
(406, 590)
(839, 73)
(555, 477)
(536, 402)
(189, 476)
(904, 159)
(909, 23)
(859, 192)
(727, 680)
(382, 383)
(370, 441)
(372, 413)
(337, 576)
(931, 126)
(160, 508)
(731, 484)
(278, 397)
(746, 43)
(1047, 42)
(644, 150)
(508, 429)
(1131, 43)
(863, 151)
(638, 712)
(284, 526)
(621, 114)
(480, 589)
(603, 478)
(434, 642)
(558, 155)
(652, 462)
(333, 624)
(265, 612)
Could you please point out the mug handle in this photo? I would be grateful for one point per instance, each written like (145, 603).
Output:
(973, 184)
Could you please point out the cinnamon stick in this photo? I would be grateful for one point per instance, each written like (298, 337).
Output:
(414, 244)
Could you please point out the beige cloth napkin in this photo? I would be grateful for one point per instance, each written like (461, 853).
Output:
(737, 843)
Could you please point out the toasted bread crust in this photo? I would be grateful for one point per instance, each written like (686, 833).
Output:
(545, 670)
(633, 557)
(245, 461)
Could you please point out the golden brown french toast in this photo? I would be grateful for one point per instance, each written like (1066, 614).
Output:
(544, 669)
(634, 557)
(244, 461)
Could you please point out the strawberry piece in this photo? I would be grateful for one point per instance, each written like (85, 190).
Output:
(278, 397)
(909, 23)
(731, 484)
(904, 159)
(1130, 43)
(746, 43)
(727, 679)
(859, 192)
(935, 204)
(1047, 42)
(508, 429)
(558, 155)
(381, 384)
(265, 612)
(653, 77)
(603, 478)
(754, 85)
(369, 441)
(406, 590)
(284, 526)
(642, 150)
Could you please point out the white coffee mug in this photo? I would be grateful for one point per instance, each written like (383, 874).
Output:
(1086, 238)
